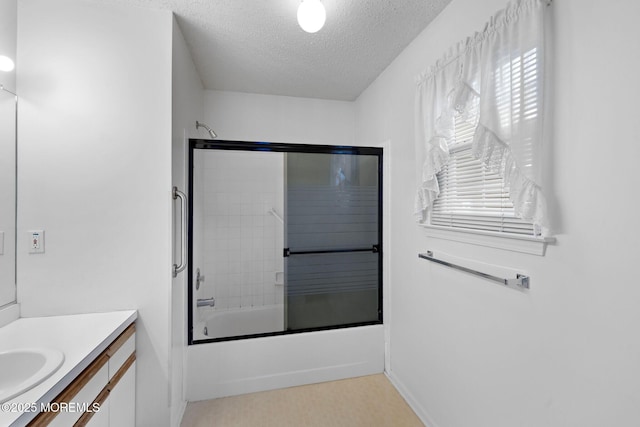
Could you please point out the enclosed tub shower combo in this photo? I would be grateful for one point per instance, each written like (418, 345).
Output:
(282, 238)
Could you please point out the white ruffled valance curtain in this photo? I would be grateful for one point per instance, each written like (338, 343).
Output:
(486, 73)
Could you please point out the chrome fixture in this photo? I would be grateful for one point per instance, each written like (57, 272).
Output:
(199, 278)
(177, 194)
(202, 125)
(204, 302)
(273, 212)
(520, 280)
(7, 90)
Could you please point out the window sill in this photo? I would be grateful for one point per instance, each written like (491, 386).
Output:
(525, 244)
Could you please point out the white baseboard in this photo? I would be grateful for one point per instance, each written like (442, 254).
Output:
(420, 411)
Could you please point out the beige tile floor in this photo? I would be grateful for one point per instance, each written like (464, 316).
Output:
(356, 402)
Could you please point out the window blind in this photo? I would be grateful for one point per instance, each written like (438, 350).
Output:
(472, 196)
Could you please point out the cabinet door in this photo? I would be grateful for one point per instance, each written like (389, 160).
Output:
(100, 418)
(84, 397)
(122, 400)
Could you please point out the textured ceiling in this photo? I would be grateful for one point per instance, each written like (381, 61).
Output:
(257, 46)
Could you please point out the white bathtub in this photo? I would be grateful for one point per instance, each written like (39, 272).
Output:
(242, 321)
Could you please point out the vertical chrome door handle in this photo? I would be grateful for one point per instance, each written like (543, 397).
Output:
(177, 194)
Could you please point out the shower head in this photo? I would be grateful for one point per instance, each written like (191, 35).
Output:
(211, 132)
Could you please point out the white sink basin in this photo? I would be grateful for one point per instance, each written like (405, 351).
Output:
(25, 368)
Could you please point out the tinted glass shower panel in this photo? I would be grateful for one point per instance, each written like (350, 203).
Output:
(332, 238)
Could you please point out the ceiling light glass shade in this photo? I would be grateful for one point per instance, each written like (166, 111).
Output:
(311, 15)
(6, 64)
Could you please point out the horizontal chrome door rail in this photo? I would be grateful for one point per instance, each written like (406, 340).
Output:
(373, 249)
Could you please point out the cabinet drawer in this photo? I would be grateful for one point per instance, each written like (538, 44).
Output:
(122, 397)
(81, 395)
(120, 351)
(98, 419)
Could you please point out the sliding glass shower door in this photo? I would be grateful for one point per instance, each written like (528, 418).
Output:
(283, 238)
(332, 240)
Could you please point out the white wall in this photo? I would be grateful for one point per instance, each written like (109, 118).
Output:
(187, 105)
(252, 117)
(468, 352)
(94, 173)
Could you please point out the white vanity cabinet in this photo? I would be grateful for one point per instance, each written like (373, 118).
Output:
(122, 382)
(122, 401)
(99, 419)
(103, 394)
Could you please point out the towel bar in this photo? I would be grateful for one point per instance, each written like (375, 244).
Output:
(520, 280)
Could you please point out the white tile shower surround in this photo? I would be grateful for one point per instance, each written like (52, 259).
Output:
(243, 242)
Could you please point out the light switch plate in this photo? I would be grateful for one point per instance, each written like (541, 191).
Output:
(36, 241)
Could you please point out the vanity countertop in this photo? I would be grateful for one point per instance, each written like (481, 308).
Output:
(81, 337)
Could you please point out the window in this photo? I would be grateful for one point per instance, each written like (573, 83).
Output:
(479, 136)
(474, 196)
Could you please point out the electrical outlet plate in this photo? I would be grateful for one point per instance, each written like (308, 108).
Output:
(36, 241)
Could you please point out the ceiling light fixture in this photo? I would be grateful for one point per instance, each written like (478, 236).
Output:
(311, 15)
(6, 64)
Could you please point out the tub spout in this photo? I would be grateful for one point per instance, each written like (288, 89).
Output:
(206, 302)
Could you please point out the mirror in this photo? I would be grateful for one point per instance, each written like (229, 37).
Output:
(8, 122)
